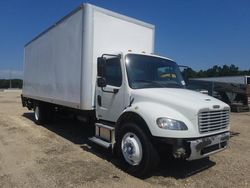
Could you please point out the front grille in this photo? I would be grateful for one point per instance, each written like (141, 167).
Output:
(210, 121)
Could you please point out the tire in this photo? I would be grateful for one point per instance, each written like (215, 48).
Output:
(42, 113)
(132, 139)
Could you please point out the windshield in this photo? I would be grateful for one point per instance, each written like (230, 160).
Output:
(152, 72)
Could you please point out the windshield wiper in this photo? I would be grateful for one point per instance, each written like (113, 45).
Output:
(174, 84)
(150, 82)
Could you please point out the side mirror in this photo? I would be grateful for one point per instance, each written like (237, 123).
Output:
(101, 82)
(101, 66)
(185, 75)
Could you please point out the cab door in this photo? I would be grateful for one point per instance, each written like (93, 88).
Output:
(110, 98)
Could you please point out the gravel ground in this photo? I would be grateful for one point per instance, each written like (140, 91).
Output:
(59, 155)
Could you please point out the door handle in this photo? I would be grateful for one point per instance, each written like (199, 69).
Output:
(114, 91)
(99, 100)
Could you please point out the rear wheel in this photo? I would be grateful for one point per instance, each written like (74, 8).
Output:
(138, 155)
(42, 113)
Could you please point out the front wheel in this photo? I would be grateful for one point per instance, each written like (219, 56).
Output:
(138, 155)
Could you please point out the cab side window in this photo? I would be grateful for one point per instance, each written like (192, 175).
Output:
(113, 72)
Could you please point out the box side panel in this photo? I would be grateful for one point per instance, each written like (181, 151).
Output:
(114, 33)
(52, 65)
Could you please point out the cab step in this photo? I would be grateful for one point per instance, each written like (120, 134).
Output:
(104, 135)
(100, 142)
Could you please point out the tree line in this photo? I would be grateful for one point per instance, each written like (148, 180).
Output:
(15, 83)
(216, 71)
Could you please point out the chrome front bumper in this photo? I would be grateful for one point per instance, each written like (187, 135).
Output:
(204, 147)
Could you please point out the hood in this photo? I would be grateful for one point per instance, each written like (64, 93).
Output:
(185, 101)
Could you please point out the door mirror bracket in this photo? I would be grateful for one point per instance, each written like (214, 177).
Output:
(101, 82)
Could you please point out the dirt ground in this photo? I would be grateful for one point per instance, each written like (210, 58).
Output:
(59, 155)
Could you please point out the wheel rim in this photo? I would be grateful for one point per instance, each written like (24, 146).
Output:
(37, 113)
(131, 148)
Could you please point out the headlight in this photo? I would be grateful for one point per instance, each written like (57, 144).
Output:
(170, 124)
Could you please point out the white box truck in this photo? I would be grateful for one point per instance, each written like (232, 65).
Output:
(101, 65)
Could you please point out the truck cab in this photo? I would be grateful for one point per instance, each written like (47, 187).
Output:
(142, 102)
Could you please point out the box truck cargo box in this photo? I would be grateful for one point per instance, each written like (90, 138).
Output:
(60, 64)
